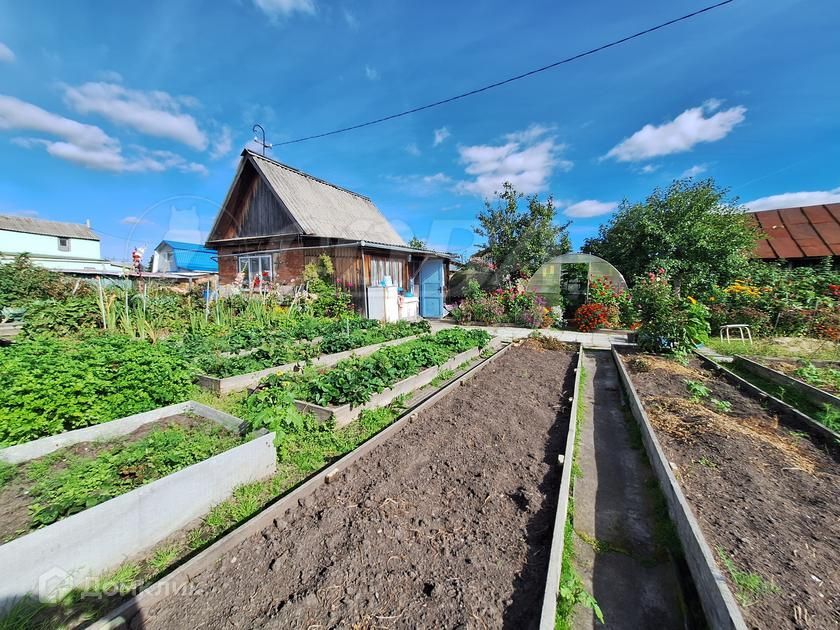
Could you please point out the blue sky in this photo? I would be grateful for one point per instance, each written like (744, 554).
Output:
(132, 115)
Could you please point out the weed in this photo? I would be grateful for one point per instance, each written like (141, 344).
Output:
(601, 546)
(163, 557)
(23, 614)
(829, 417)
(750, 587)
(724, 406)
(7, 473)
(698, 390)
(705, 461)
(122, 581)
(442, 377)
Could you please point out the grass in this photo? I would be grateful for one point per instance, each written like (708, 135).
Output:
(572, 591)
(826, 350)
(826, 415)
(750, 588)
(7, 473)
(827, 378)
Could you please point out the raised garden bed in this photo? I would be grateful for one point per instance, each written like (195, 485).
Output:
(78, 504)
(444, 519)
(241, 382)
(763, 495)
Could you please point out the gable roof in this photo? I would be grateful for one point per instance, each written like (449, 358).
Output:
(319, 208)
(192, 256)
(29, 225)
(806, 232)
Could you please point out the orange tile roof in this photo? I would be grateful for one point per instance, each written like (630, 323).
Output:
(809, 232)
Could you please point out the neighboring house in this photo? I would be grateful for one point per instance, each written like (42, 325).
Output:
(178, 257)
(68, 247)
(801, 236)
(276, 219)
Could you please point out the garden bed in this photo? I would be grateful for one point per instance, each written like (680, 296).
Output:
(229, 384)
(76, 505)
(447, 523)
(764, 496)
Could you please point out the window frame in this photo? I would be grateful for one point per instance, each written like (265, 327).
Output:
(64, 247)
(244, 265)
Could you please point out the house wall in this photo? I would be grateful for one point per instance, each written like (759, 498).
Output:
(287, 265)
(40, 244)
(163, 259)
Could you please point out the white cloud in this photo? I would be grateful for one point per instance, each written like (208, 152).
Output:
(154, 113)
(527, 160)
(111, 76)
(371, 73)
(795, 199)
(681, 134)
(412, 149)
(647, 169)
(350, 18)
(6, 54)
(222, 144)
(590, 208)
(534, 131)
(276, 9)
(132, 220)
(83, 144)
(422, 185)
(694, 171)
(441, 135)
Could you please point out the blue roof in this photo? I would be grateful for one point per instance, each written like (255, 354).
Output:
(194, 257)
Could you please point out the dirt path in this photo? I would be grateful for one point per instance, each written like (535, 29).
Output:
(446, 525)
(766, 498)
(617, 552)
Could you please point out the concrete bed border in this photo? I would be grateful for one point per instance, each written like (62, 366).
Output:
(719, 605)
(555, 561)
(175, 581)
(51, 561)
(240, 382)
(789, 414)
(345, 414)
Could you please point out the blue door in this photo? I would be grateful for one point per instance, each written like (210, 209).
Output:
(431, 288)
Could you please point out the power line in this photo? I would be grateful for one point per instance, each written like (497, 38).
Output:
(592, 51)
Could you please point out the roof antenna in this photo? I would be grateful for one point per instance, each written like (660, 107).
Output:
(258, 127)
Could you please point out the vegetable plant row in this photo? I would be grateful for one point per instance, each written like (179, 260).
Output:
(282, 347)
(42, 491)
(355, 380)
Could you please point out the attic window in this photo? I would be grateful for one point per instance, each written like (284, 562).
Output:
(63, 244)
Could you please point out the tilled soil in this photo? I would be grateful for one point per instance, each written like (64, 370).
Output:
(764, 496)
(447, 524)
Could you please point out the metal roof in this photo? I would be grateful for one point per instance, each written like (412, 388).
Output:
(322, 208)
(193, 257)
(806, 232)
(47, 228)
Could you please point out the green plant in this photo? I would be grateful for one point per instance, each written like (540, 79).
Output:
(49, 385)
(7, 473)
(750, 588)
(705, 461)
(697, 389)
(591, 316)
(68, 484)
(830, 417)
(724, 406)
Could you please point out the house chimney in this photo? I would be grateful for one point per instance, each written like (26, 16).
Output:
(87, 222)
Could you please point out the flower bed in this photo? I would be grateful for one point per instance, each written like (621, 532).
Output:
(728, 450)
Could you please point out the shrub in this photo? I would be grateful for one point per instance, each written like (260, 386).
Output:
(513, 305)
(668, 324)
(22, 282)
(591, 316)
(48, 385)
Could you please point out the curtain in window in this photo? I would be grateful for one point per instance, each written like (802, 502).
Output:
(381, 267)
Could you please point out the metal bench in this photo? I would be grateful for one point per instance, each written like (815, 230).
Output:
(741, 328)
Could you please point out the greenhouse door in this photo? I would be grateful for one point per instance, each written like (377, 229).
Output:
(431, 288)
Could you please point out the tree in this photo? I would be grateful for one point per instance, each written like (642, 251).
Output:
(693, 230)
(417, 243)
(520, 240)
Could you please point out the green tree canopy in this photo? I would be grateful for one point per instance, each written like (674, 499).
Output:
(519, 240)
(694, 230)
(417, 243)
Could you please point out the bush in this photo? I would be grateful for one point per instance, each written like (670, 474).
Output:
(591, 316)
(49, 386)
(668, 324)
(512, 305)
(21, 282)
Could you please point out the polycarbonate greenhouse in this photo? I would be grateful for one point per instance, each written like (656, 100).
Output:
(565, 279)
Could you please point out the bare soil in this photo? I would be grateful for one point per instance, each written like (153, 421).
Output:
(766, 496)
(15, 498)
(448, 524)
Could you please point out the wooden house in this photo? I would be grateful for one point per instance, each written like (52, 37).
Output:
(276, 219)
